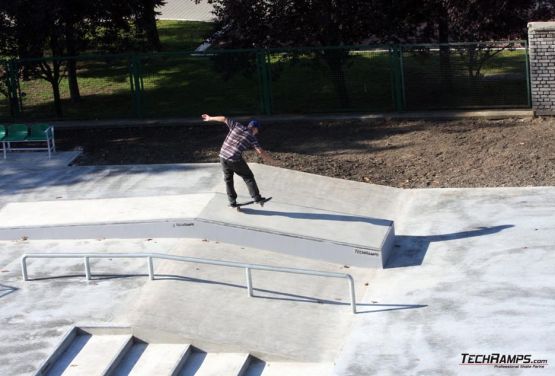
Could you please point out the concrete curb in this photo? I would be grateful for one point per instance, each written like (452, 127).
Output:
(430, 115)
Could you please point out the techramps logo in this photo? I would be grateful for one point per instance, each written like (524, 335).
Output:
(498, 360)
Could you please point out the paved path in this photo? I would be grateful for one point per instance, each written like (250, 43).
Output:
(186, 10)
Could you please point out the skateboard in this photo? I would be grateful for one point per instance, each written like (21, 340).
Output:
(261, 203)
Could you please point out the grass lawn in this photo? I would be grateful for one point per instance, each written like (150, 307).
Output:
(180, 35)
(185, 84)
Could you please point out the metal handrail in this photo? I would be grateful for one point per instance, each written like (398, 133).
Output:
(151, 256)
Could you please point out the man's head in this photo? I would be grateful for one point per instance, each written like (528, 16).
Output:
(254, 126)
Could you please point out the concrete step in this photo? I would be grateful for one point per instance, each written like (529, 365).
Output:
(193, 362)
(100, 355)
(131, 358)
(161, 359)
(72, 343)
(114, 351)
(223, 364)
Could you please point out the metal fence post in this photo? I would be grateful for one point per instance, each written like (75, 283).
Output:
(527, 73)
(136, 85)
(14, 98)
(262, 63)
(396, 65)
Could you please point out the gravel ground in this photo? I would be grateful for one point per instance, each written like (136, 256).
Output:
(407, 154)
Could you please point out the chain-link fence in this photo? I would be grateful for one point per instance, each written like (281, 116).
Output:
(468, 75)
(331, 80)
(292, 81)
(191, 84)
(87, 88)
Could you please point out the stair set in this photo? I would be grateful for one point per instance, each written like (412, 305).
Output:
(115, 351)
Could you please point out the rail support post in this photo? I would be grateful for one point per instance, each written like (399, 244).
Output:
(87, 269)
(249, 281)
(353, 297)
(24, 268)
(150, 268)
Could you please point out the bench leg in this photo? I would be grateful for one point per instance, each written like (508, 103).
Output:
(53, 141)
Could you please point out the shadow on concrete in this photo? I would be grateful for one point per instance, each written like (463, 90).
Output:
(6, 290)
(411, 250)
(19, 180)
(257, 293)
(94, 277)
(388, 307)
(322, 217)
(267, 294)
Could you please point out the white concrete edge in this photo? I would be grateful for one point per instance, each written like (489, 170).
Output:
(286, 234)
(541, 26)
(182, 359)
(119, 355)
(59, 349)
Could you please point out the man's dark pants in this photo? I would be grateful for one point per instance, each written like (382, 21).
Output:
(240, 168)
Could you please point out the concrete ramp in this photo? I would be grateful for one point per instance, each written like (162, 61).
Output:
(302, 231)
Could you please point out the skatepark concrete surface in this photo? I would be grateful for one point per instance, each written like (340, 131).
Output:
(471, 272)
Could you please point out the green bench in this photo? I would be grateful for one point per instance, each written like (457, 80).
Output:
(21, 134)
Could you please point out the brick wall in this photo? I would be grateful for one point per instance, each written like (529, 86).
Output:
(541, 41)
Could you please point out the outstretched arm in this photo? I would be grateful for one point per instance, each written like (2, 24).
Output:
(220, 119)
(265, 156)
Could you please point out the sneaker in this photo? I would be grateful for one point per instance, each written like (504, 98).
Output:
(233, 204)
(259, 199)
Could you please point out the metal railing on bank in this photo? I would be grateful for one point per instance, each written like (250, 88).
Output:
(152, 256)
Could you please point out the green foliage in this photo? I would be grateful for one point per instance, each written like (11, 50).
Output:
(183, 36)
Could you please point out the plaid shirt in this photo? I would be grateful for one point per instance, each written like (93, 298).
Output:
(237, 141)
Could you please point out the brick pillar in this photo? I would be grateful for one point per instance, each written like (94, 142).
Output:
(541, 41)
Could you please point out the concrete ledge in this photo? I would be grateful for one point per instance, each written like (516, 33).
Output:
(292, 229)
(541, 26)
(544, 112)
(38, 160)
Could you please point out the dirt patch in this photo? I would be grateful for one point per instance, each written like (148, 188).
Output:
(407, 154)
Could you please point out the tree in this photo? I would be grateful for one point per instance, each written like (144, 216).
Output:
(444, 21)
(64, 28)
(146, 21)
(285, 23)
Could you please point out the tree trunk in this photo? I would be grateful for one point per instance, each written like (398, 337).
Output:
(74, 93)
(147, 21)
(52, 75)
(57, 98)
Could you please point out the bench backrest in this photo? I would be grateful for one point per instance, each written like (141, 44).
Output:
(18, 129)
(38, 130)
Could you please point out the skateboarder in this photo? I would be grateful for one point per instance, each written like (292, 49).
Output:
(239, 139)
